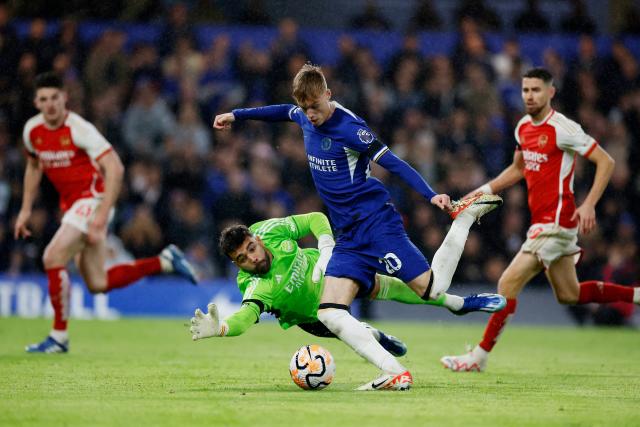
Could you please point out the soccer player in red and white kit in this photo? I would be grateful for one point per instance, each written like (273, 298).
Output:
(547, 146)
(87, 173)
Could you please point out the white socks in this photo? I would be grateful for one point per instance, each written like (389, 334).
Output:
(360, 339)
(60, 336)
(448, 254)
(453, 302)
(479, 352)
(636, 295)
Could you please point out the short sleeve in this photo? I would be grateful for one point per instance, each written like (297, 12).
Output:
(570, 137)
(516, 132)
(87, 137)
(26, 137)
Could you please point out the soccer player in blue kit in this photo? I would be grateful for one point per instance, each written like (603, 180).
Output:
(370, 233)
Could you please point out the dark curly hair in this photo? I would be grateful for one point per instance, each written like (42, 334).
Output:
(539, 73)
(232, 237)
(49, 79)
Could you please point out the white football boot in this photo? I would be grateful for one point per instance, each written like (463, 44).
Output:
(391, 382)
(474, 361)
(477, 206)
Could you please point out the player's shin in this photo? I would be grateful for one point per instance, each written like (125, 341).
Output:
(59, 292)
(448, 255)
(496, 324)
(356, 336)
(394, 289)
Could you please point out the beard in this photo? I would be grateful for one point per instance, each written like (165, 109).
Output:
(264, 266)
(534, 111)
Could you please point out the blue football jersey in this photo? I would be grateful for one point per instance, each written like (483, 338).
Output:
(339, 152)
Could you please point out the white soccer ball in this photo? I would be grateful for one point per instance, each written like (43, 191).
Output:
(312, 367)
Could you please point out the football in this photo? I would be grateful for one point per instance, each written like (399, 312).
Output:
(312, 367)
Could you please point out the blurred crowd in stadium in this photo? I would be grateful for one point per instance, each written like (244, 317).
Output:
(452, 117)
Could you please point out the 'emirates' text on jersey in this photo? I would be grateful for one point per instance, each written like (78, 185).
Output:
(67, 155)
(549, 150)
(287, 290)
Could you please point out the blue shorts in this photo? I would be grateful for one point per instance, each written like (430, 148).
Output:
(378, 243)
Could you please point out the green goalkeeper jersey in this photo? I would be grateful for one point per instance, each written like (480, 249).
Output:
(287, 290)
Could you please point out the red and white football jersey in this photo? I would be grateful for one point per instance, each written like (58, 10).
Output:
(549, 149)
(68, 156)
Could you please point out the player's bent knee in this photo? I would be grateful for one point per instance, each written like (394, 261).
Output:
(96, 286)
(51, 260)
(567, 299)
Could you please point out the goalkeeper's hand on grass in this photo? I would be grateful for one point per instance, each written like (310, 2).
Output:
(325, 244)
(207, 325)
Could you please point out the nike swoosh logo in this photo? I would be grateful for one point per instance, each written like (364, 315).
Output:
(374, 385)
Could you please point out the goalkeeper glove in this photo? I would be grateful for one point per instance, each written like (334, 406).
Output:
(325, 244)
(207, 325)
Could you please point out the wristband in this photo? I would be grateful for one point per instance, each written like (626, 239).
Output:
(325, 241)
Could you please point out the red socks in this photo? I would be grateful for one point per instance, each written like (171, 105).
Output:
(603, 292)
(122, 275)
(496, 324)
(59, 292)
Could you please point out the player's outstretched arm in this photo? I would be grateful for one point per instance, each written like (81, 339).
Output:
(396, 165)
(512, 174)
(269, 113)
(586, 213)
(210, 325)
(207, 325)
(223, 121)
(32, 178)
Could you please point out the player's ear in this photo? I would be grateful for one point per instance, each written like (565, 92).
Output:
(552, 91)
(328, 93)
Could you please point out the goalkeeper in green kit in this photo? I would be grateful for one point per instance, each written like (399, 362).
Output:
(279, 277)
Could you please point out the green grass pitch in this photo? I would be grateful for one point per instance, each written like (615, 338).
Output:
(148, 372)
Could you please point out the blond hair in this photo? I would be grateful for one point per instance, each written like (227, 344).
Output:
(309, 83)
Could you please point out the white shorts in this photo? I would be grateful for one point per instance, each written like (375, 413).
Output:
(548, 242)
(82, 212)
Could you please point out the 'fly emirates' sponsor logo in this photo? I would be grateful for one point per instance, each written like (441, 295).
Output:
(533, 160)
(322, 165)
(56, 159)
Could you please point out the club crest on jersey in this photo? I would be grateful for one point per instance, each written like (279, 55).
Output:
(325, 144)
(542, 140)
(365, 136)
(286, 246)
(65, 140)
(38, 141)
